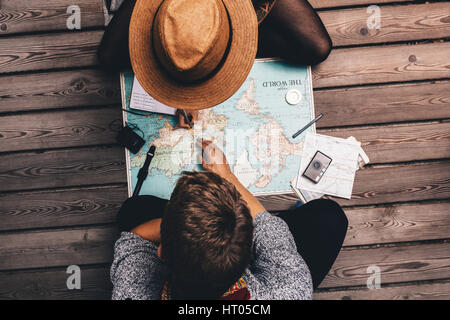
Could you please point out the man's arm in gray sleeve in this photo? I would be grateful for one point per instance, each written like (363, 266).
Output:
(136, 272)
(277, 271)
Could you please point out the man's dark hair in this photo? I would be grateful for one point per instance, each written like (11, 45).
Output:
(206, 236)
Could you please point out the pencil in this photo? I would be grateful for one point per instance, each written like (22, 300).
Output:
(307, 126)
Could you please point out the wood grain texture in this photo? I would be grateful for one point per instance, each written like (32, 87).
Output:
(19, 16)
(386, 184)
(62, 168)
(87, 206)
(61, 208)
(369, 65)
(400, 143)
(51, 285)
(59, 129)
(383, 103)
(52, 248)
(397, 23)
(80, 185)
(58, 90)
(422, 291)
(350, 66)
(73, 128)
(94, 246)
(398, 223)
(343, 106)
(342, 3)
(401, 263)
(49, 51)
(401, 183)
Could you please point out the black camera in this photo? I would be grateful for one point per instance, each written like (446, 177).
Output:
(130, 139)
(317, 167)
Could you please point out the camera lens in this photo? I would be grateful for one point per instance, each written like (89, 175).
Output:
(316, 164)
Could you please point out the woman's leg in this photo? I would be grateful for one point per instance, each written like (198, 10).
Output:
(113, 53)
(140, 209)
(294, 31)
(319, 228)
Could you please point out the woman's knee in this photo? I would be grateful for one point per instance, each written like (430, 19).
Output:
(330, 212)
(321, 49)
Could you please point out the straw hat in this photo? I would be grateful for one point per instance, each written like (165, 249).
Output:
(194, 54)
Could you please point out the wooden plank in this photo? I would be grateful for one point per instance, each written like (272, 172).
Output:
(369, 65)
(319, 4)
(422, 291)
(343, 106)
(345, 26)
(52, 248)
(398, 143)
(385, 184)
(74, 128)
(401, 263)
(62, 168)
(95, 284)
(58, 90)
(383, 103)
(401, 183)
(18, 16)
(51, 285)
(73, 167)
(58, 129)
(60, 208)
(350, 66)
(397, 223)
(397, 23)
(49, 51)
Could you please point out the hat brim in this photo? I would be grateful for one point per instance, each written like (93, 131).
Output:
(200, 95)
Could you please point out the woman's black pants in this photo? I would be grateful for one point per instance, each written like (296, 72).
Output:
(318, 227)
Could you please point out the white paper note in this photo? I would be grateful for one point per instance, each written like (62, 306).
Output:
(340, 175)
(141, 100)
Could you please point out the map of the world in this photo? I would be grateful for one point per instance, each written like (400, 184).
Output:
(254, 128)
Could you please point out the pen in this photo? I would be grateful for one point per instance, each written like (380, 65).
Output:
(307, 126)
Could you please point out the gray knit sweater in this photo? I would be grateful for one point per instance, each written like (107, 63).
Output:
(276, 272)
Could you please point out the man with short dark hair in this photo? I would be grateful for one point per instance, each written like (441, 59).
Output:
(209, 247)
(207, 235)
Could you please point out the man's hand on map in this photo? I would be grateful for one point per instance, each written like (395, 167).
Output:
(213, 159)
(193, 114)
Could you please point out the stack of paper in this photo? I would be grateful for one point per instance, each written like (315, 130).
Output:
(347, 157)
(141, 100)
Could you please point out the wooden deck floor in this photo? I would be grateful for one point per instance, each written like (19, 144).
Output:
(62, 177)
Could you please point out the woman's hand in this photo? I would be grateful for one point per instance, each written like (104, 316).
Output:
(193, 115)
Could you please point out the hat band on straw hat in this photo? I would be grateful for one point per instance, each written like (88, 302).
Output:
(192, 54)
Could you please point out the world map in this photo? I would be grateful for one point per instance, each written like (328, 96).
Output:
(254, 128)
